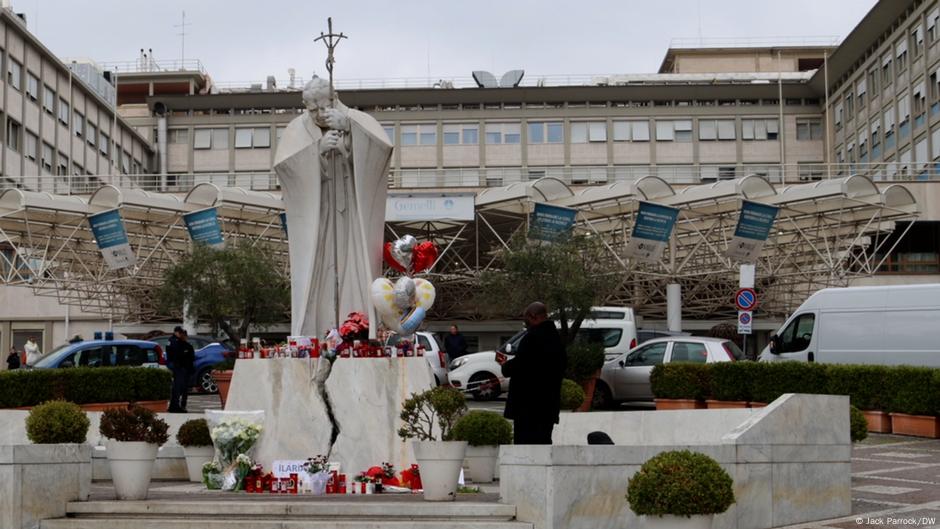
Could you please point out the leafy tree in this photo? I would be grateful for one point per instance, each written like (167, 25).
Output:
(570, 276)
(233, 288)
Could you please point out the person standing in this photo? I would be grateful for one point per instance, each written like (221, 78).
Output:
(535, 374)
(33, 354)
(181, 359)
(455, 345)
(13, 359)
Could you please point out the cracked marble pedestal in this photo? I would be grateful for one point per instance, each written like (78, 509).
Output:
(366, 395)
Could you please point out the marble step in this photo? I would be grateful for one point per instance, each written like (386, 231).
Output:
(249, 523)
(295, 510)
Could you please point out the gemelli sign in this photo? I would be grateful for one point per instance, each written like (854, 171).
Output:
(204, 227)
(651, 231)
(399, 208)
(753, 228)
(111, 237)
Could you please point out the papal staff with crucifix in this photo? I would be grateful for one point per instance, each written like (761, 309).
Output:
(332, 163)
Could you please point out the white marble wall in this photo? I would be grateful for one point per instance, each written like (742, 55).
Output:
(37, 481)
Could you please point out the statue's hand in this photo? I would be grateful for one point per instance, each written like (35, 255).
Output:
(331, 141)
(336, 119)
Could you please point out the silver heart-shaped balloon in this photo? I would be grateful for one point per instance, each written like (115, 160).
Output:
(403, 250)
(403, 293)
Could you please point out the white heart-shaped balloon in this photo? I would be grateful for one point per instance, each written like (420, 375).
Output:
(383, 297)
(404, 293)
(424, 294)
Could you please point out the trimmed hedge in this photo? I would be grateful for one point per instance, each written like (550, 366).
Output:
(483, 428)
(733, 381)
(57, 422)
(584, 360)
(680, 483)
(916, 390)
(572, 395)
(865, 385)
(681, 381)
(83, 385)
(773, 379)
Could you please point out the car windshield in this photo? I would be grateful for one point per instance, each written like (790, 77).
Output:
(514, 341)
(53, 357)
(735, 351)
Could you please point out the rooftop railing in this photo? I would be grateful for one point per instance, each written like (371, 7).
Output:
(475, 178)
(153, 65)
(754, 42)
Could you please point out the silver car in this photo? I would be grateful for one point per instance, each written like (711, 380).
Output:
(627, 377)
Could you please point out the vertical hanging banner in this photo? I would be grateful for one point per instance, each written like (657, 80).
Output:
(753, 229)
(550, 223)
(109, 232)
(284, 223)
(651, 232)
(204, 227)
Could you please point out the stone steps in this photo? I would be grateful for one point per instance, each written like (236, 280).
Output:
(163, 514)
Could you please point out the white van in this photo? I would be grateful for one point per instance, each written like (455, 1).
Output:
(886, 325)
(615, 327)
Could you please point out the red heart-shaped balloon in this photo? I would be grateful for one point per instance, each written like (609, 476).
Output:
(425, 254)
(387, 252)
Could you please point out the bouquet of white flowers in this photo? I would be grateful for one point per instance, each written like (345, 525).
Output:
(234, 435)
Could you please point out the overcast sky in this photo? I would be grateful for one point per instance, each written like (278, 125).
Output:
(242, 41)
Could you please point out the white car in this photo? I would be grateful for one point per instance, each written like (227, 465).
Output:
(627, 377)
(437, 359)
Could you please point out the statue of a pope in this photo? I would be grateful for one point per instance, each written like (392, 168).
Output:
(360, 152)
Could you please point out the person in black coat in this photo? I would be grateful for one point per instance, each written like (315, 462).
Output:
(13, 359)
(181, 359)
(535, 373)
(455, 345)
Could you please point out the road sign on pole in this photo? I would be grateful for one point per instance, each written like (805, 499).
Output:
(745, 299)
(744, 322)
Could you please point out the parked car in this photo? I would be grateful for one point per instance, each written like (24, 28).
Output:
(645, 335)
(103, 353)
(208, 353)
(627, 377)
(437, 359)
(887, 325)
(479, 375)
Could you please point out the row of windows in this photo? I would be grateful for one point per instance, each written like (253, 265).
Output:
(27, 143)
(912, 159)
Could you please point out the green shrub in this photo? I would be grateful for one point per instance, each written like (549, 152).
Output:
(858, 424)
(438, 407)
(83, 385)
(572, 395)
(133, 424)
(483, 428)
(915, 390)
(584, 359)
(680, 380)
(55, 422)
(864, 385)
(773, 379)
(680, 483)
(194, 432)
(732, 381)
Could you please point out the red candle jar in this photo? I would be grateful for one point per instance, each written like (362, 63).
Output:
(292, 484)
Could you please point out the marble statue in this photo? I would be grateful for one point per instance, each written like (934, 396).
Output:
(331, 138)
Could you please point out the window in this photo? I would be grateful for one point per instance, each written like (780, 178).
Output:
(546, 132)
(678, 130)
(15, 74)
(900, 50)
(503, 133)
(861, 93)
(920, 153)
(470, 134)
(716, 129)
(689, 352)
(91, 134)
(849, 105)
(47, 153)
(873, 80)
(64, 112)
(63, 168)
(810, 171)
(423, 134)
(103, 141)
(210, 139)
(177, 136)
(863, 147)
(588, 132)
(920, 104)
(759, 129)
(809, 129)
(719, 172)
(461, 134)
(78, 124)
(649, 355)
(48, 99)
(875, 139)
(14, 130)
(32, 86)
(917, 40)
(798, 335)
(631, 131)
(932, 25)
(125, 162)
(32, 146)
(886, 73)
(607, 337)
(933, 87)
(915, 252)
(888, 115)
(904, 115)
(257, 138)
(389, 131)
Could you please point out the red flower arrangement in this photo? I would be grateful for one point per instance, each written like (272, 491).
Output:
(356, 327)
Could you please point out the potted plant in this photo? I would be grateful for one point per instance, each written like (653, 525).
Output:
(585, 361)
(680, 490)
(57, 422)
(222, 375)
(194, 437)
(679, 386)
(429, 419)
(572, 395)
(134, 435)
(858, 425)
(915, 401)
(483, 431)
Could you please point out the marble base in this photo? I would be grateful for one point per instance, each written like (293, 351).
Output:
(366, 395)
(38, 481)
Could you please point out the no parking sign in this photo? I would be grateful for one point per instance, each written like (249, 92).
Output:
(744, 322)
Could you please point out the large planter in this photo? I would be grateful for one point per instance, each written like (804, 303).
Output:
(131, 465)
(39, 481)
(196, 457)
(700, 521)
(915, 425)
(878, 421)
(440, 463)
(588, 387)
(481, 461)
(679, 404)
(725, 404)
(223, 379)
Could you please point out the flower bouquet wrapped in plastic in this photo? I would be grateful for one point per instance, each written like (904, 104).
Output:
(234, 435)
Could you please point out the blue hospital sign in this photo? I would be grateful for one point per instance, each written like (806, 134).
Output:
(111, 237)
(753, 229)
(549, 223)
(651, 231)
(204, 227)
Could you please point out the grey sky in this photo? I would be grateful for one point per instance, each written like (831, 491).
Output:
(241, 41)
